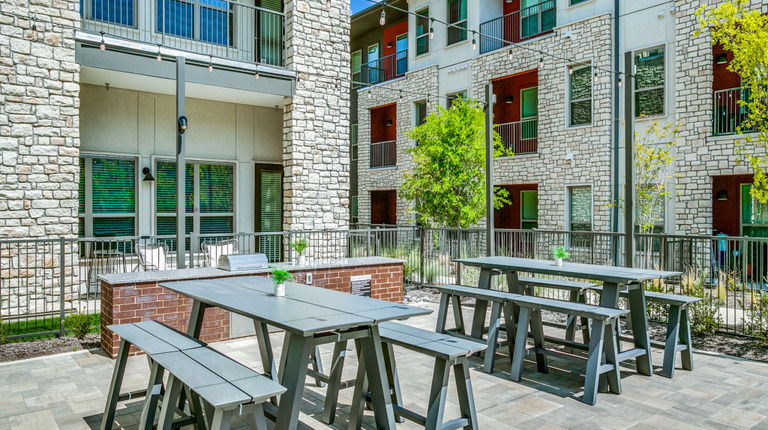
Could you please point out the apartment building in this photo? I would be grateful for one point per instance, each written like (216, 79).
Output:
(89, 126)
(561, 112)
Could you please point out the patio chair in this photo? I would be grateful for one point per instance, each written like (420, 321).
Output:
(212, 250)
(152, 257)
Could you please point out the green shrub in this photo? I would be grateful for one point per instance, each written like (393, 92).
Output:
(79, 324)
(758, 317)
(5, 329)
(702, 315)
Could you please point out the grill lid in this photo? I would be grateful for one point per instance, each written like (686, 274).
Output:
(237, 262)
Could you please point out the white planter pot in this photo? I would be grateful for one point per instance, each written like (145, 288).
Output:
(558, 261)
(301, 260)
(279, 290)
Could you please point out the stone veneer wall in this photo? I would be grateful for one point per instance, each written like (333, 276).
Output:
(135, 302)
(591, 145)
(316, 119)
(390, 178)
(700, 154)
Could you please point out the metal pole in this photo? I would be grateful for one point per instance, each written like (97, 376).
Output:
(62, 262)
(629, 163)
(489, 239)
(181, 163)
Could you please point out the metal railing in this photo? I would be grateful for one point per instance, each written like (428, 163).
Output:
(383, 154)
(217, 28)
(383, 69)
(520, 137)
(729, 114)
(518, 26)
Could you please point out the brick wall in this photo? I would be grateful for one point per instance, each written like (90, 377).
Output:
(129, 303)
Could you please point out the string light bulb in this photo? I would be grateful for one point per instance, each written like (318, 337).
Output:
(256, 75)
(509, 54)
(328, 4)
(474, 43)
(159, 57)
(570, 70)
(103, 45)
(619, 80)
(432, 29)
(383, 18)
(541, 62)
(210, 63)
(596, 78)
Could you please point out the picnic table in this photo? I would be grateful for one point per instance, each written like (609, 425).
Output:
(612, 277)
(309, 316)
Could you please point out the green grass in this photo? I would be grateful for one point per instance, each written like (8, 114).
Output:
(43, 325)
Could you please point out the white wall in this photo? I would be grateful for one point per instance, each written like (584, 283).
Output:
(143, 125)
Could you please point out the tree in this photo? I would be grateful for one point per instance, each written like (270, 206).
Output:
(744, 32)
(447, 185)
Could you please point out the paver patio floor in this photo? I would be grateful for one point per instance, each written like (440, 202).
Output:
(68, 391)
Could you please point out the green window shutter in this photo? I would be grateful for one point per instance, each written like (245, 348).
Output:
(216, 188)
(114, 185)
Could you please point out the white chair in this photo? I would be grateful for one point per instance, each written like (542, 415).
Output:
(153, 257)
(212, 250)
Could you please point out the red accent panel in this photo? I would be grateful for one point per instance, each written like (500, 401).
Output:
(384, 207)
(723, 78)
(504, 112)
(509, 215)
(380, 132)
(725, 213)
(514, 6)
(390, 36)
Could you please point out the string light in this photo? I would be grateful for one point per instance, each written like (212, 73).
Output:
(619, 81)
(570, 69)
(509, 55)
(541, 62)
(431, 28)
(210, 64)
(103, 46)
(474, 43)
(596, 78)
(256, 75)
(328, 4)
(159, 57)
(383, 18)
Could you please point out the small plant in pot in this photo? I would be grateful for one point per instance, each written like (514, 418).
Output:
(299, 245)
(560, 254)
(279, 278)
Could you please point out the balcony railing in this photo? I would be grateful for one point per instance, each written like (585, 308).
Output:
(383, 154)
(210, 27)
(729, 115)
(521, 137)
(518, 26)
(384, 69)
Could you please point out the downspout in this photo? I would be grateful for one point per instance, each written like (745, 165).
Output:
(615, 125)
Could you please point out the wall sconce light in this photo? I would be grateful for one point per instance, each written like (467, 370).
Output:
(389, 123)
(722, 195)
(182, 124)
(147, 174)
(389, 45)
(510, 99)
(721, 59)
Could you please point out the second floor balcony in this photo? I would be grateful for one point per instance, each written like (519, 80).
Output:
(527, 23)
(382, 70)
(383, 154)
(520, 137)
(728, 113)
(219, 28)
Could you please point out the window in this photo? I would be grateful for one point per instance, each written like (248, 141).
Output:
(580, 215)
(649, 82)
(529, 112)
(575, 2)
(457, 15)
(353, 141)
(209, 198)
(754, 215)
(107, 199)
(536, 17)
(354, 213)
(420, 108)
(453, 96)
(213, 19)
(422, 31)
(580, 96)
(269, 209)
(270, 28)
(373, 64)
(357, 62)
(401, 54)
(115, 11)
(529, 209)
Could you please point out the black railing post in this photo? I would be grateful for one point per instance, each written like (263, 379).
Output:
(62, 257)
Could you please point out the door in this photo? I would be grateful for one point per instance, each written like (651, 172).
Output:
(269, 209)
(401, 54)
(529, 112)
(270, 32)
(384, 207)
(373, 64)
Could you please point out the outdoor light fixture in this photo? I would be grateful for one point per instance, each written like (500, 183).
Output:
(256, 75)
(328, 4)
(721, 59)
(383, 17)
(431, 29)
(159, 57)
(596, 77)
(510, 99)
(34, 27)
(474, 43)
(722, 195)
(570, 70)
(389, 45)
(541, 62)
(389, 123)
(147, 174)
(619, 80)
(369, 94)
(210, 63)
(182, 124)
(509, 54)
(103, 46)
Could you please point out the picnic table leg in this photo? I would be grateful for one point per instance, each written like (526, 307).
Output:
(612, 378)
(570, 325)
(221, 419)
(510, 325)
(464, 391)
(639, 319)
(458, 314)
(267, 355)
(317, 366)
(537, 328)
(670, 345)
(334, 382)
(108, 418)
(293, 372)
(437, 394)
(493, 336)
(686, 357)
(360, 392)
(594, 360)
(478, 319)
(153, 394)
(170, 398)
(196, 319)
(442, 313)
(392, 380)
(373, 356)
(521, 340)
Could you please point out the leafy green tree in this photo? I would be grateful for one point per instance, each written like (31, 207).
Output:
(447, 185)
(744, 32)
(653, 170)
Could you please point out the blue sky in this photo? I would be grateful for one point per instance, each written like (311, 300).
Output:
(358, 5)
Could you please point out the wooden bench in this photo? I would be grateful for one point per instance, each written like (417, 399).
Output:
(602, 355)
(222, 384)
(678, 336)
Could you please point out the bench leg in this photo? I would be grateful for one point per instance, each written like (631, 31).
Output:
(686, 356)
(170, 400)
(570, 325)
(437, 394)
(537, 328)
(221, 419)
(317, 365)
(392, 379)
(442, 313)
(108, 418)
(670, 344)
(458, 314)
(256, 418)
(295, 359)
(613, 376)
(153, 394)
(493, 337)
(594, 360)
(639, 320)
(521, 340)
(464, 391)
(478, 318)
(360, 392)
(510, 325)
(266, 354)
(334, 382)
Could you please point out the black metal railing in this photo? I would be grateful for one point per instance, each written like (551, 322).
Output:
(383, 154)
(520, 137)
(729, 114)
(383, 69)
(518, 26)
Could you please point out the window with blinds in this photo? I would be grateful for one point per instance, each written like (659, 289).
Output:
(107, 198)
(422, 31)
(580, 214)
(457, 15)
(269, 209)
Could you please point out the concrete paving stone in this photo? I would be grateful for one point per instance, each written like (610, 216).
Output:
(737, 417)
(34, 420)
(664, 423)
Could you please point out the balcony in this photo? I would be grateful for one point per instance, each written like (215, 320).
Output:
(383, 154)
(518, 26)
(382, 70)
(729, 115)
(520, 137)
(218, 28)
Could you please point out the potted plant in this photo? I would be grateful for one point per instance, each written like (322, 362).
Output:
(279, 278)
(299, 245)
(560, 254)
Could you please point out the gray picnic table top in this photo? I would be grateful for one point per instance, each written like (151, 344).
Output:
(596, 272)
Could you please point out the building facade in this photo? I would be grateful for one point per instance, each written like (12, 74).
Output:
(559, 107)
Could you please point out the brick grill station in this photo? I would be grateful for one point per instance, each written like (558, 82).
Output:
(134, 297)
